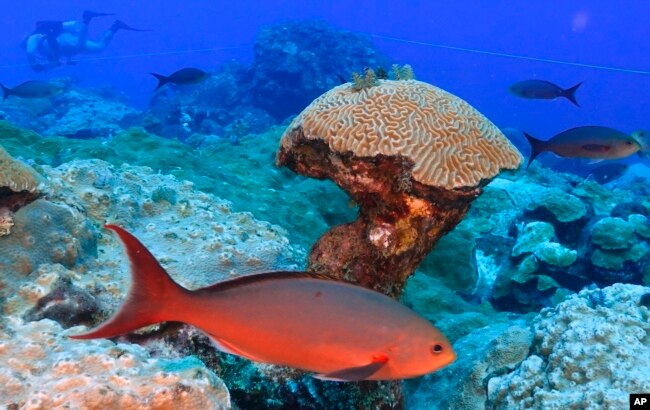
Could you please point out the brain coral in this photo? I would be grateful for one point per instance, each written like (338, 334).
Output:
(16, 176)
(451, 144)
(43, 369)
(589, 352)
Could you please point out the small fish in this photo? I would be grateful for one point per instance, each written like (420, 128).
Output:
(32, 89)
(641, 137)
(184, 76)
(543, 90)
(340, 331)
(607, 172)
(591, 142)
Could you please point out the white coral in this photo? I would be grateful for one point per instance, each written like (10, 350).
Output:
(590, 352)
(43, 369)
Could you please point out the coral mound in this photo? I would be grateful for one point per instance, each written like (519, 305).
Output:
(16, 176)
(43, 369)
(450, 143)
(589, 352)
(411, 155)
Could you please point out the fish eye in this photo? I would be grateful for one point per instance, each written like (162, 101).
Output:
(628, 142)
(436, 349)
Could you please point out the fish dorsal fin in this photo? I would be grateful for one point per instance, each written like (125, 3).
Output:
(228, 347)
(355, 374)
(596, 147)
(258, 277)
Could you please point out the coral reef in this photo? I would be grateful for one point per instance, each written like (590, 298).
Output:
(589, 352)
(404, 174)
(88, 114)
(486, 351)
(19, 185)
(297, 61)
(248, 179)
(197, 237)
(43, 369)
(45, 232)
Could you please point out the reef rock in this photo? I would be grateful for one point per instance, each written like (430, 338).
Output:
(297, 61)
(486, 351)
(43, 369)
(589, 352)
(404, 174)
(45, 232)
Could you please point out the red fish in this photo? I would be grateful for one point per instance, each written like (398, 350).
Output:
(340, 331)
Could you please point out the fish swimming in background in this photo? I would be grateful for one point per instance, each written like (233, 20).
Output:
(543, 90)
(607, 172)
(340, 331)
(32, 89)
(591, 142)
(184, 76)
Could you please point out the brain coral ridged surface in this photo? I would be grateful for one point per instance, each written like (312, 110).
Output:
(451, 144)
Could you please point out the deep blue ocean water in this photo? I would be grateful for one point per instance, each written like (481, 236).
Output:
(604, 34)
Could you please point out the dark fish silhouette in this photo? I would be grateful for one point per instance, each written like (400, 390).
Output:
(543, 90)
(607, 172)
(32, 89)
(183, 76)
(591, 142)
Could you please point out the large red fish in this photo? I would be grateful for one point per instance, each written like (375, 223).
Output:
(338, 330)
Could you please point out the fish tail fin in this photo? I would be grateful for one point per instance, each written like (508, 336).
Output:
(536, 147)
(570, 94)
(162, 80)
(149, 299)
(6, 92)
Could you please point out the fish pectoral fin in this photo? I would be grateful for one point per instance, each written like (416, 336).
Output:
(354, 374)
(596, 147)
(228, 347)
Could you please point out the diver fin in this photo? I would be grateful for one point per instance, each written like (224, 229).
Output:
(120, 25)
(355, 374)
(6, 92)
(89, 15)
(151, 286)
(228, 347)
(536, 147)
(162, 80)
(570, 94)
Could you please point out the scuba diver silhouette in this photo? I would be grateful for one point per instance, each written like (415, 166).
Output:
(53, 40)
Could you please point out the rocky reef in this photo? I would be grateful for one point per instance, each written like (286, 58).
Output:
(43, 369)
(588, 352)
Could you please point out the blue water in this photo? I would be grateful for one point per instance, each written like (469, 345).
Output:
(574, 32)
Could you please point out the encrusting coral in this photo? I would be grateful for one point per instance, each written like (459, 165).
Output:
(19, 184)
(589, 352)
(43, 369)
(411, 155)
